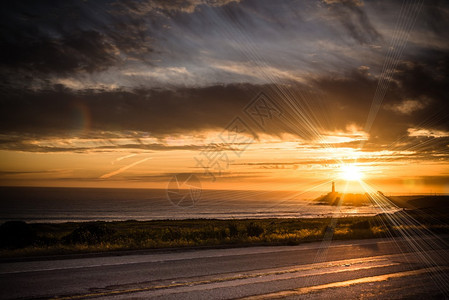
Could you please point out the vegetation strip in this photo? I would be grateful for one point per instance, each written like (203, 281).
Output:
(18, 239)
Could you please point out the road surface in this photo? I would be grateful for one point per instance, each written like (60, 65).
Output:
(377, 268)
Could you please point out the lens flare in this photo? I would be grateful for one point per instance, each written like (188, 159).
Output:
(351, 173)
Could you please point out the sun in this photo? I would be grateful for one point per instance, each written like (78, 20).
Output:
(350, 172)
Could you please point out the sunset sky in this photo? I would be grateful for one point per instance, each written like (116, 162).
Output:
(277, 95)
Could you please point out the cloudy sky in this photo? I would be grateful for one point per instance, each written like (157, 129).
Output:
(245, 94)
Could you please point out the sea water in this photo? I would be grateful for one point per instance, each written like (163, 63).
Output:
(55, 205)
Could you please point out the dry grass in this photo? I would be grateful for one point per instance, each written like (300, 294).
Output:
(65, 238)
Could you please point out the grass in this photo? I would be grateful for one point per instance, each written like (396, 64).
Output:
(20, 239)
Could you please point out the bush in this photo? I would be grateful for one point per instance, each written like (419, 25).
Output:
(233, 229)
(171, 235)
(253, 229)
(361, 225)
(16, 234)
(91, 233)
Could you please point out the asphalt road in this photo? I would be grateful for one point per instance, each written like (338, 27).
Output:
(378, 269)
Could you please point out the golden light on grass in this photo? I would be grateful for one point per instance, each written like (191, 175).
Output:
(351, 172)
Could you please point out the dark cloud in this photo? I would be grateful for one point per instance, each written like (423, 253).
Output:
(413, 180)
(421, 78)
(64, 112)
(138, 43)
(49, 38)
(59, 39)
(427, 79)
(27, 146)
(354, 19)
(80, 51)
(326, 104)
(437, 180)
(67, 113)
(436, 17)
(169, 6)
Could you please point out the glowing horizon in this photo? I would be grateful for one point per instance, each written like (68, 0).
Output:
(241, 95)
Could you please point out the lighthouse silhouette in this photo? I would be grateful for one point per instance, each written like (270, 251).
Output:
(333, 187)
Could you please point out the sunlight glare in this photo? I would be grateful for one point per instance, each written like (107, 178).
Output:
(351, 172)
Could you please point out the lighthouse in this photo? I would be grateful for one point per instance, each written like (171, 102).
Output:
(333, 187)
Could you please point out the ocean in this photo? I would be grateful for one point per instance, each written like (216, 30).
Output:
(56, 205)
